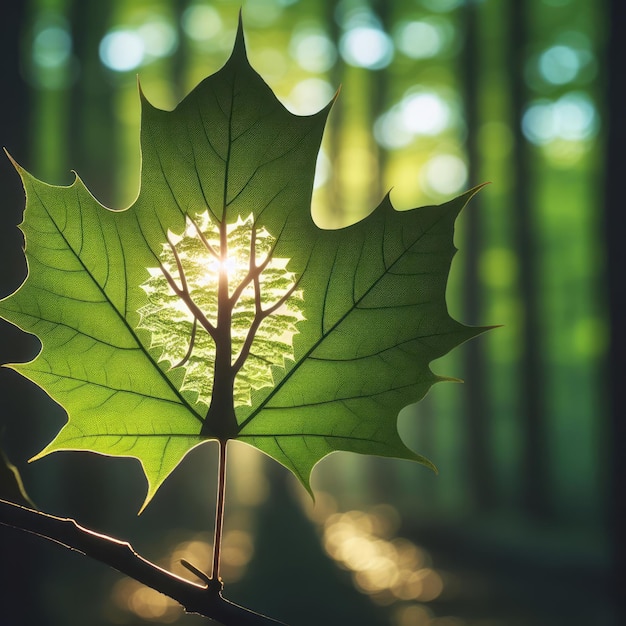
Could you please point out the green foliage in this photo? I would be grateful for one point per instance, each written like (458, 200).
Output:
(215, 308)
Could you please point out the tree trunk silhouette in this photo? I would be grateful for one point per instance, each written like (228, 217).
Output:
(379, 94)
(534, 470)
(383, 480)
(19, 602)
(615, 224)
(93, 151)
(180, 60)
(332, 136)
(476, 407)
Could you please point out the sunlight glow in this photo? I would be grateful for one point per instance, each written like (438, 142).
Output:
(185, 343)
(227, 266)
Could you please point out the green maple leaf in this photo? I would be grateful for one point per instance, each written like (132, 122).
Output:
(215, 308)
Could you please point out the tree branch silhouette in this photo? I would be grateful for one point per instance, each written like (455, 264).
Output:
(205, 600)
(183, 293)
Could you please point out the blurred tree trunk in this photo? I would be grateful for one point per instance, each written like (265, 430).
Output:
(93, 147)
(19, 605)
(615, 222)
(379, 95)
(92, 154)
(315, 591)
(476, 409)
(534, 470)
(180, 60)
(332, 138)
(382, 479)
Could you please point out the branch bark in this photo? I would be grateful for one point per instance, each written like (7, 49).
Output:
(205, 600)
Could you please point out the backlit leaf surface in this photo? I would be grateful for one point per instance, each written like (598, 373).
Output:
(215, 308)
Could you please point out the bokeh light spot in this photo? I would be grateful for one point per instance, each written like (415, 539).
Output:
(421, 113)
(444, 174)
(367, 46)
(390, 131)
(559, 65)
(52, 47)
(425, 113)
(572, 117)
(313, 50)
(419, 40)
(262, 12)
(122, 50)
(576, 116)
(159, 38)
(201, 22)
(413, 615)
(309, 96)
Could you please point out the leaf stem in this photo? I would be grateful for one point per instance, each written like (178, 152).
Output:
(219, 511)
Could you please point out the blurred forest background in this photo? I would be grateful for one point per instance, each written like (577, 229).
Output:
(521, 526)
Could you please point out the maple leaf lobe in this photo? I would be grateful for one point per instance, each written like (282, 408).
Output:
(371, 311)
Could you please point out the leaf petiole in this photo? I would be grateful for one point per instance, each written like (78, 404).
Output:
(219, 511)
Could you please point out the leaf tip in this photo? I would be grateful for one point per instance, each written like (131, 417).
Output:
(240, 42)
(474, 190)
(422, 460)
(309, 490)
(152, 489)
(336, 95)
(38, 456)
(15, 164)
(145, 504)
